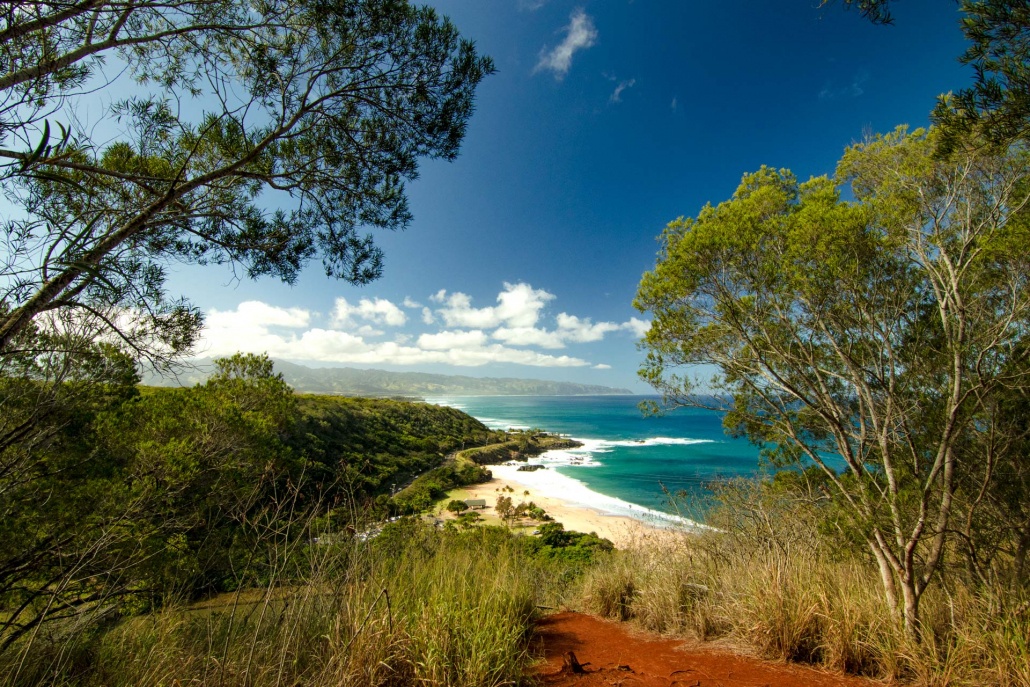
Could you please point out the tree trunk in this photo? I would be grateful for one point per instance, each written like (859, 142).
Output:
(890, 589)
(911, 597)
(1019, 561)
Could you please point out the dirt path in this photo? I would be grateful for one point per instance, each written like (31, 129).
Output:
(613, 656)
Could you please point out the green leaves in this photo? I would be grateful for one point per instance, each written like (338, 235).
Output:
(877, 330)
(996, 107)
(325, 105)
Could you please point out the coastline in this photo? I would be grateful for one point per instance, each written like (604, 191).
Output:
(572, 503)
(623, 531)
(573, 494)
(565, 498)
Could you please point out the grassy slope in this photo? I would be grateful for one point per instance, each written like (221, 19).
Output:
(418, 606)
(413, 607)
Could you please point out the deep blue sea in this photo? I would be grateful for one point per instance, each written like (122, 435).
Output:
(626, 455)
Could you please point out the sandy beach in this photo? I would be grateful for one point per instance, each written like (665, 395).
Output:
(624, 531)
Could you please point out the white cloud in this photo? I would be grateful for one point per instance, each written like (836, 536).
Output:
(570, 329)
(340, 317)
(319, 344)
(529, 336)
(382, 311)
(503, 354)
(408, 302)
(856, 88)
(616, 96)
(256, 327)
(457, 333)
(257, 313)
(519, 305)
(458, 311)
(368, 330)
(579, 330)
(445, 340)
(249, 328)
(379, 311)
(602, 366)
(579, 35)
(637, 326)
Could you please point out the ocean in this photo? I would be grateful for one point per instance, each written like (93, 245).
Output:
(628, 463)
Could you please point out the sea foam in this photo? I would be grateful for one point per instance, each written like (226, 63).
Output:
(553, 484)
(549, 482)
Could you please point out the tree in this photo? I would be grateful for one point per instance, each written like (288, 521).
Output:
(469, 519)
(63, 520)
(262, 134)
(993, 520)
(504, 507)
(876, 11)
(997, 106)
(137, 498)
(877, 330)
(219, 481)
(457, 507)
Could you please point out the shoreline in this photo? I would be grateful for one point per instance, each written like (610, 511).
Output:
(573, 504)
(572, 493)
(623, 531)
(567, 499)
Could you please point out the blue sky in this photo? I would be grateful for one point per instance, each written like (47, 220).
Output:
(605, 121)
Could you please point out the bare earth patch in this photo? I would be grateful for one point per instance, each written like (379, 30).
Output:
(611, 656)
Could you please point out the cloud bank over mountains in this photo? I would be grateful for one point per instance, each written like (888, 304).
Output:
(378, 331)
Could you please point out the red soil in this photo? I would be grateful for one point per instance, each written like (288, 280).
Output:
(612, 656)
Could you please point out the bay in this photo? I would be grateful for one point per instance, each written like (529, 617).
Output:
(626, 455)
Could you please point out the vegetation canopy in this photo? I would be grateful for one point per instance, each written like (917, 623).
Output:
(134, 498)
(884, 330)
(260, 133)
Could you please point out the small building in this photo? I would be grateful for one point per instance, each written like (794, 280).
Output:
(475, 504)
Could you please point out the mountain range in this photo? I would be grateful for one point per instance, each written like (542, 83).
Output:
(348, 381)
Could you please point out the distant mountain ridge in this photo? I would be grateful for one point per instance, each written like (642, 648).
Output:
(350, 381)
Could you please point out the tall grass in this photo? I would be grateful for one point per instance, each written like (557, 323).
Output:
(418, 607)
(769, 581)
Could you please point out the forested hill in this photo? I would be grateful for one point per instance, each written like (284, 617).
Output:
(349, 381)
(369, 446)
(153, 494)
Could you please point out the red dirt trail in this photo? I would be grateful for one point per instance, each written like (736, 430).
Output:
(612, 656)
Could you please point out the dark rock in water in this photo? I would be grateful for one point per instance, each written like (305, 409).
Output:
(531, 468)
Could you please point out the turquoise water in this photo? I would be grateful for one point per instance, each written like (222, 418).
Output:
(626, 455)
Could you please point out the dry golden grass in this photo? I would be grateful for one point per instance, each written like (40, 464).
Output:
(807, 606)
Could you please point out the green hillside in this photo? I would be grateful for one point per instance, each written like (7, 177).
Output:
(191, 491)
